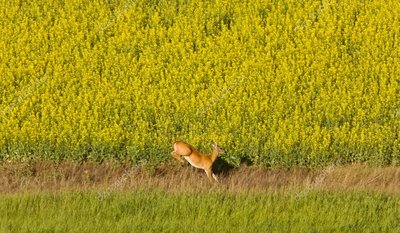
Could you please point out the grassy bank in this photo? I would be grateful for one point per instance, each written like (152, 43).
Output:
(214, 211)
(111, 177)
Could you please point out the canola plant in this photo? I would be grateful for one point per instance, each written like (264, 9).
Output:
(275, 82)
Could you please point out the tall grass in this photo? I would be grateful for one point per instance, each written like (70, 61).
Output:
(214, 211)
(108, 178)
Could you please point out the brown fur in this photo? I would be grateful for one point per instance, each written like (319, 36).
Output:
(196, 158)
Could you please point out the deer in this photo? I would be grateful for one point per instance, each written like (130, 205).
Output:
(196, 158)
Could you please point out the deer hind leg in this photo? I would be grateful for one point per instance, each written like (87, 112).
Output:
(177, 157)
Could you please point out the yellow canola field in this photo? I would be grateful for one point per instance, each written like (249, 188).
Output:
(275, 82)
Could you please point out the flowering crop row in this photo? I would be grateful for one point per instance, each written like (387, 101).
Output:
(276, 82)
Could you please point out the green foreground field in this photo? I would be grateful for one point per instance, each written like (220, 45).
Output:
(213, 211)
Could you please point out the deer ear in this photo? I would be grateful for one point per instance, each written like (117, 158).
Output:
(214, 144)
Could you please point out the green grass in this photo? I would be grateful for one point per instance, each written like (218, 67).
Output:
(214, 211)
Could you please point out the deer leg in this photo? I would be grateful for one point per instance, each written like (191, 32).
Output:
(177, 157)
(215, 177)
(211, 175)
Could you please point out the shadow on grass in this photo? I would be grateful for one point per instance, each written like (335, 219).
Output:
(220, 166)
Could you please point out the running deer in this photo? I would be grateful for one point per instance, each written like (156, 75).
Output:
(196, 158)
